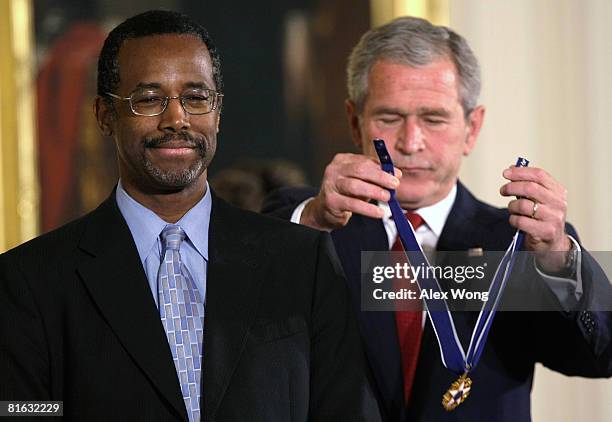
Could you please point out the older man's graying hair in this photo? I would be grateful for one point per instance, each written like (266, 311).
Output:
(414, 42)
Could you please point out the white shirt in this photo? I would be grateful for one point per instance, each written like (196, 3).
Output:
(434, 217)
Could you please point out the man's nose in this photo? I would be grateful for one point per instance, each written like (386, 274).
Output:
(411, 137)
(174, 118)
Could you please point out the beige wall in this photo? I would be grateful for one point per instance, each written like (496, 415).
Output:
(546, 68)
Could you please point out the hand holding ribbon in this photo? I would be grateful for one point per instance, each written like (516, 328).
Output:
(539, 210)
(349, 182)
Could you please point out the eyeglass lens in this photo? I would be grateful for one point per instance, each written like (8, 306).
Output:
(151, 102)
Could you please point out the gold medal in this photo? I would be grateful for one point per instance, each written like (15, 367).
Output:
(457, 393)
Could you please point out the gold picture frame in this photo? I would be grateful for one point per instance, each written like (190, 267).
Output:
(18, 163)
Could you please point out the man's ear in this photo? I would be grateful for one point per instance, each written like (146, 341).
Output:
(474, 124)
(353, 120)
(105, 115)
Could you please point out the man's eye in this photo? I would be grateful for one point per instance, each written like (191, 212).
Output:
(434, 122)
(390, 121)
(149, 100)
(195, 98)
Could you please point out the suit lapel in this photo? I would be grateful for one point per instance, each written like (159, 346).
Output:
(117, 283)
(232, 293)
(459, 228)
(472, 224)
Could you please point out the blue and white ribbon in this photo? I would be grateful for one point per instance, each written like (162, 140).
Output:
(451, 351)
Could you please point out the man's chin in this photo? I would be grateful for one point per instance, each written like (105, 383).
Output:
(175, 179)
(414, 197)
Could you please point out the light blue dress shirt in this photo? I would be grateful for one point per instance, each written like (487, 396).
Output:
(146, 227)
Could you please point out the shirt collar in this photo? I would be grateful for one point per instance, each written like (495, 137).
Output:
(146, 226)
(196, 222)
(434, 215)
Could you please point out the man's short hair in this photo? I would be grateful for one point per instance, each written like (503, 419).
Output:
(154, 22)
(414, 42)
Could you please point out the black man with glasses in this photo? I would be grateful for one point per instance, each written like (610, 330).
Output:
(166, 303)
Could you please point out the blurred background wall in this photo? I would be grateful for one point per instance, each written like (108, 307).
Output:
(545, 64)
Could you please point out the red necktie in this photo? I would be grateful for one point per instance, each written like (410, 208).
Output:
(409, 325)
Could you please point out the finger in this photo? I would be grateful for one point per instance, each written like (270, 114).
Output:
(359, 206)
(532, 174)
(540, 230)
(396, 171)
(554, 201)
(357, 188)
(526, 207)
(530, 190)
(522, 206)
(368, 170)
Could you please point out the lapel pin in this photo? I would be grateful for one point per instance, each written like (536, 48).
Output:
(473, 252)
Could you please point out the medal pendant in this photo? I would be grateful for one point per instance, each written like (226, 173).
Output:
(457, 393)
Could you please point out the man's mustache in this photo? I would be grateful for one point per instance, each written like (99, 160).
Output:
(189, 140)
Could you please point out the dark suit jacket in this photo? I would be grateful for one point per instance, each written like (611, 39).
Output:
(78, 323)
(574, 343)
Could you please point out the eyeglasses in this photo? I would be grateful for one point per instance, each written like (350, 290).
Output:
(153, 102)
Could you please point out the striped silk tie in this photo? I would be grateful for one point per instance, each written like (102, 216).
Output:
(181, 309)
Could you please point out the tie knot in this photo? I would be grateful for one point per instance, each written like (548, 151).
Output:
(172, 236)
(415, 219)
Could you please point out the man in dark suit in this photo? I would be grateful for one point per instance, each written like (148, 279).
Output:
(166, 303)
(416, 86)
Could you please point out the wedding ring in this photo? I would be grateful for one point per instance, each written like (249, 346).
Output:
(535, 208)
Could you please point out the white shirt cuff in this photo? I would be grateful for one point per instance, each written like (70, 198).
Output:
(296, 216)
(567, 290)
